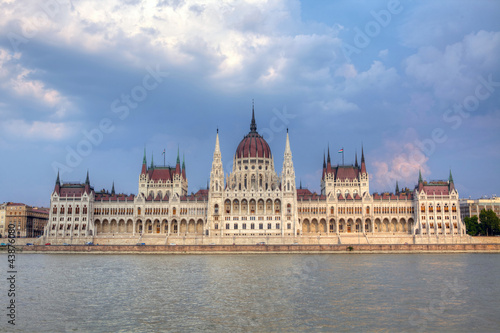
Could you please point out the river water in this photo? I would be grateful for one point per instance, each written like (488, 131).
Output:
(254, 293)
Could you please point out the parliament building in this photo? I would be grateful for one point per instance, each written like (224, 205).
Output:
(254, 204)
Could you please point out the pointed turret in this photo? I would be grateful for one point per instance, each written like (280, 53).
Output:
(451, 183)
(217, 173)
(420, 181)
(288, 172)
(183, 167)
(152, 165)
(87, 183)
(363, 165)
(356, 160)
(57, 187)
(324, 166)
(397, 188)
(144, 163)
(328, 159)
(178, 163)
(113, 189)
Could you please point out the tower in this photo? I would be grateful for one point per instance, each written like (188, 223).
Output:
(216, 188)
(288, 190)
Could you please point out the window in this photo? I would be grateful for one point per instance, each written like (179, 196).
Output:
(261, 226)
(236, 226)
(227, 225)
(216, 226)
(269, 226)
(277, 225)
(252, 226)
(289, 226)
(244, 226)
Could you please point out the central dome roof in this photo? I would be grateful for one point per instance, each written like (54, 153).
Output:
(253, 144)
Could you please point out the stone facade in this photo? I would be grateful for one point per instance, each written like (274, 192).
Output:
(254, 204)
(28, 221)
(469, 208)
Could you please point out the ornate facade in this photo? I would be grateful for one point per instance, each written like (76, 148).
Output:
(254, 203)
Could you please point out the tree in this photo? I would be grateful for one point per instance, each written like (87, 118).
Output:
(490, 224)
(472, 225)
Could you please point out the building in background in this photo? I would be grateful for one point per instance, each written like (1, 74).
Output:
(28, 221)
(2, 220)
(471, 207)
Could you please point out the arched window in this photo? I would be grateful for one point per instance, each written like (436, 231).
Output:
(216, 209)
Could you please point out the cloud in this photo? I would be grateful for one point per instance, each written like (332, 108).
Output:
(17, 80)
(401, 160)
(452, 72)
(37, 130)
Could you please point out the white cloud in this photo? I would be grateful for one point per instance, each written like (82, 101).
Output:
(16, 80)
(400, 161)
(36, 130)
(452, 72)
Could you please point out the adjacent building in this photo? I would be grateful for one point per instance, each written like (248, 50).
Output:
(254, 202)
(471, 207)
(27, 221)
(3, 228)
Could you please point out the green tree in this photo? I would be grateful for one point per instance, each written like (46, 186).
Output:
(490, 224)
(472, 225)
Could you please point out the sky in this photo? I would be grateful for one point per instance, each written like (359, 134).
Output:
(88, 85)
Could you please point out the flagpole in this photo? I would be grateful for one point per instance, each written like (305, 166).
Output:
(164, 157)
(342, 156)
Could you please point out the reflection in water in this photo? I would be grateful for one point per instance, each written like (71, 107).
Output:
(255, 293)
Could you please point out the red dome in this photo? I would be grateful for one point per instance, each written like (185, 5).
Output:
(253, 145)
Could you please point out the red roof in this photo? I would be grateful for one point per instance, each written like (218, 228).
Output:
(72, 190)
(436, 189)
(346, 172)
(253, 145)
(118, 197)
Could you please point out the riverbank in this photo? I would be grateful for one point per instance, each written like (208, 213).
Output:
(260, 249)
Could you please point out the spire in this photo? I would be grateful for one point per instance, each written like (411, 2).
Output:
(363, 165)
(328, 158)
(397, 187)
(152, 166)
(324, 161)
(301, 184)
(356, 159)
(183, 167)
(178, 170)
(144, 163)
(451, 183)
(217, 147)
(420, 180)
(113, 189)
(87, 183)
(57, 187)
(253, 125)
(287, 144)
